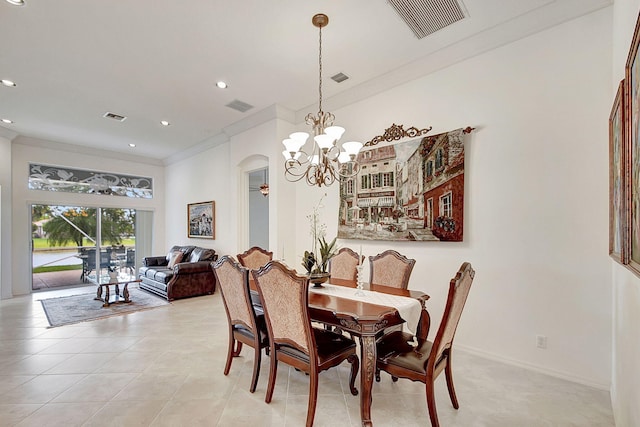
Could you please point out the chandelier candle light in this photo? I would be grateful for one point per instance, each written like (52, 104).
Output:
(328, 161)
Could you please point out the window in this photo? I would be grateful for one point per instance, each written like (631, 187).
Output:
(429, 168)
(56, 178)
(445, 205)
(375, 180)
(366, 182)
(349, 189)
(439, 155)
(387, 179)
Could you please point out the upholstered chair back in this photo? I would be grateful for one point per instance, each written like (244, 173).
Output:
(390, 268)
(233, 281)
(255, 257)
(343, 267)
(458, 291)
(285, 297)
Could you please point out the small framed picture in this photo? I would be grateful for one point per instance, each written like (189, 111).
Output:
(201, 219)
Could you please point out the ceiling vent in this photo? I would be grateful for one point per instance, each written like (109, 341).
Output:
(239, 106)
(425, 17)
(115, 116)
(339, 78)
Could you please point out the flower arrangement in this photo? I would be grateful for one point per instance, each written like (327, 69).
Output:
(316, 260)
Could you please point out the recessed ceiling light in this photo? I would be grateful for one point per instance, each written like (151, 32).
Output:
(164, 123)
(132, 145)
(221, 85)
(7, 121)
(16, 2)
(8, 83)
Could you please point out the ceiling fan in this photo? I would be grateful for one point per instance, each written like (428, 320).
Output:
(264, 188)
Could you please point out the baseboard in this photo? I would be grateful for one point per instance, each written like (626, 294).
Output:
(532, 367)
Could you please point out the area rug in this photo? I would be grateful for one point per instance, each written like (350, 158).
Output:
(80, 308)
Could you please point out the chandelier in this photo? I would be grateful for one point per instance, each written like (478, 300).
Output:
(264, 188)
(327, 161)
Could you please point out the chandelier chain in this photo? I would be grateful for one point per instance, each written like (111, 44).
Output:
(320, 68)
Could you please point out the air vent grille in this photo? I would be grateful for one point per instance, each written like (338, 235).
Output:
(239, 106)
(115, 116)
(339, 78)
(425, 17)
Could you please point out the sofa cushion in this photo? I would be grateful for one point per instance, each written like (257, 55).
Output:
(163, 275)
(174, 258)
(202, 254)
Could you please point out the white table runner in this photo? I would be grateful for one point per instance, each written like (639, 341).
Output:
(408, 308)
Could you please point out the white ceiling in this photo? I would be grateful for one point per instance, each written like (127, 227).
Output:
(152, 60)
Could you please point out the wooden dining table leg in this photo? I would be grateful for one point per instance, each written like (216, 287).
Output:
(367, 371)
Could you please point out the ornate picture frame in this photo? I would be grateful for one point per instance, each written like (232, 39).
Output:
(617, 178)
(201, 220)
(632, 162)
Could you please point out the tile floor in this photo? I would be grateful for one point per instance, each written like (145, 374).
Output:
(163, 367)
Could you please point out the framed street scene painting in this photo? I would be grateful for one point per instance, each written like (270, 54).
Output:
(411, 190)
(201, 220)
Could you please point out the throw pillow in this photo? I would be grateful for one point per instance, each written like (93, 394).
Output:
(202, 254)
(175, 258)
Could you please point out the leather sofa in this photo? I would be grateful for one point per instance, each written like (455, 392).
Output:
(190, 277)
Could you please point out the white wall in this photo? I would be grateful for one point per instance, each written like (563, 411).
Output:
(625, 389)
(536, 218)
(201, 178)
(26, 150)
(536, 208)
(5, 218)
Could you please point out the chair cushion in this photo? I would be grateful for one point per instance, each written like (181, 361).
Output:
(262, 327)
(328, 343)
(397, 348)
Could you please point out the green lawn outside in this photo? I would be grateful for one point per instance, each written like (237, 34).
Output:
(42, 243)
(56, 268)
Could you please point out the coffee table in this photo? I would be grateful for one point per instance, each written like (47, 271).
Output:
(104, 281)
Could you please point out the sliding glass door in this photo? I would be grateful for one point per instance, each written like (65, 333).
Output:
(73, 244)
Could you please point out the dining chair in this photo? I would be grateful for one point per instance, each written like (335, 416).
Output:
(390, 268)
(255, 257)
(245, 325)
(427, 359)
(343, 268)
(285, 298)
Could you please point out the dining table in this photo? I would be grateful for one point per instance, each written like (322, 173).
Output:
(363, 319)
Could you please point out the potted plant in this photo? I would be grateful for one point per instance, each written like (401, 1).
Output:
(316, 261)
